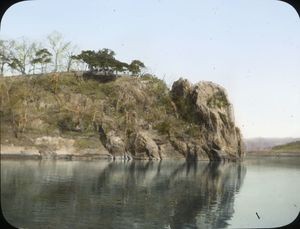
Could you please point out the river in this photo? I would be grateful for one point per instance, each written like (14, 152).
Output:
(259, 192)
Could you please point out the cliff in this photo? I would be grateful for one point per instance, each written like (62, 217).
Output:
(54, 116)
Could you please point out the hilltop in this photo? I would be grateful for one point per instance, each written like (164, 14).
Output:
(289, 147)
(65, 115)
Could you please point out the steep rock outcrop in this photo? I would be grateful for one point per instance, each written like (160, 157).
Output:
(143, 146)
(115, 145)
(205, 106)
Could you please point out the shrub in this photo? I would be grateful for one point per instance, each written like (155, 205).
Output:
(193, 130)
(66, 123)
(163, 127)
(218, 100)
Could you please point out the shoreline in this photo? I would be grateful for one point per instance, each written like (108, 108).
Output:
(60, 157)
(272, 154)
(76, 157)
(31, 152)
(13, 152)
(83, 158)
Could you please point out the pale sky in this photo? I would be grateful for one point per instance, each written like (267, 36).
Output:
(252, 48)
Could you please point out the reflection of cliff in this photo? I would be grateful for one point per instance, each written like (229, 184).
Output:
(209, 203)
(121, 195)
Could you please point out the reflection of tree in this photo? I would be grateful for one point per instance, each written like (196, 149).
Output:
(124, 195)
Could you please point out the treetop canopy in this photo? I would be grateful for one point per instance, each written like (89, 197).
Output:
(104, 61)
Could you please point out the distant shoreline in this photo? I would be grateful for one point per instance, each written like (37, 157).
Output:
(270, 153)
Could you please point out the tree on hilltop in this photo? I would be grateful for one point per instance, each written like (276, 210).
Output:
(88, 57)
(42, 57)
(135, 67)
(104, 61)
(58, 47)
(6, 54)
(120, 66)
(69, 57)
(22, 54)
(100, 61)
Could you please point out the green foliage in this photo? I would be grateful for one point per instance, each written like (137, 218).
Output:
(186, 109)
(26, 56)
(163, 127)
(70, 122)
(158, 89)
(65, 123)
(16, 64)
(42, 57)
(193, 130)
(104, 61)
(6, 53)
(218, 100)
(170, 125)
(135, 67)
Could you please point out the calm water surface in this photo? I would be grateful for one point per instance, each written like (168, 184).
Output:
(167, 194)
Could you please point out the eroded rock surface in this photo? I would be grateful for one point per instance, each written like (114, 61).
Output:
(206, 107)
(206, 104)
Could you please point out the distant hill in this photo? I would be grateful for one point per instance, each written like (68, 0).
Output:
(289, 147)
(261, 144)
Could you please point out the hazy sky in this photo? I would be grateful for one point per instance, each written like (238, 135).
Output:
(252, 48)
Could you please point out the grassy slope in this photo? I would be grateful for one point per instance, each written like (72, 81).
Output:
(289, 147)
(37, 106)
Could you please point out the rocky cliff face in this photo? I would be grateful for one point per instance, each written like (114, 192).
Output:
(128, 118)
(204, 106)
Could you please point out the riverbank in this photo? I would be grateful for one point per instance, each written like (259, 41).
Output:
(31, 152)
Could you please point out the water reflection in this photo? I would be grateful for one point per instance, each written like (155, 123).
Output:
(166, 194)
